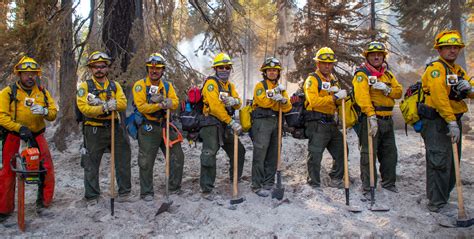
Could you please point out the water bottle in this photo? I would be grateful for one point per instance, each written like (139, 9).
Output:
(188, 107)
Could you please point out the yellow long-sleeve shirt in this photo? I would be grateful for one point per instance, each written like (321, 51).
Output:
(97, 112)
(368, 98)
(261, 100)
(213, 105)
(434, 82)
(320, 100)
(149, 108)
(12, 119)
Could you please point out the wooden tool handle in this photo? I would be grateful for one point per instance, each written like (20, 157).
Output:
(461, 211)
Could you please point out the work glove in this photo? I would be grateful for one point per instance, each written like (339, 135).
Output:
(383, 87)
(110, 105)
(454, 131)
(279, 98)
(279, 88)
(25, 134)
(166, 104)
(39, 110)
(230, 101)
(236, 127)
(373, 125)
(334, 89)
(341, 94)
(463, 85)
(157, 98)
(95, 102)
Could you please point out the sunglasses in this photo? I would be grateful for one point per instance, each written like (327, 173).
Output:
(224, 67)
(27, 65)
(327, 57)
(100, 55)
(376, 46)
(453, 40)
(99, 67)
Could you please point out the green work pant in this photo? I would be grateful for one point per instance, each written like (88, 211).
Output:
(440, 174)
(265, 151)
(324, 136)
(210, 146)
(96, 141)
(150, 138)
(384, 148)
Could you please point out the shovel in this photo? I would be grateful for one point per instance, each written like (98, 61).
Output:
(235, 189)
(279, 191)
(167, 204)
(373, 206)
(462, 220)
(346, 161)
(112, 166)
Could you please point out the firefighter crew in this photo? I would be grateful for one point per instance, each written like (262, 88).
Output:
(445, 87)
(376, 90)
(96, 105)
(220, 99)
(152, 96)
(323, 94)
(268, 97)
(23, 117)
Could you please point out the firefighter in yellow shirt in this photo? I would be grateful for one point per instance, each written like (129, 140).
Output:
(221, 100)
(24, 106)
(323, 93)
(152, 96)
(268, 97)
(376, 90)
(96, 99)
(445, 87)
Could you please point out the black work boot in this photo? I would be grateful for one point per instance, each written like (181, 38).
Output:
(3, 217)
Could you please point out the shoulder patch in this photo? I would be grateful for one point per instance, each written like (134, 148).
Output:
(435, 73)
(309, 83)
(138, 88)
(259, 92)
(81, 92)
(359, 78)
(210, 87)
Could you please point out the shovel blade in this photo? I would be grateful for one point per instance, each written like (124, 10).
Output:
(353, 209)
(278, 193)
(236, 201)
(164, 207)
(379, 208)
(464, 223)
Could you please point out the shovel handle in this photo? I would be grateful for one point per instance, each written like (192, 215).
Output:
(344, 144)
(371, 155)
(235, 189)
(280, 113)
(461, 211)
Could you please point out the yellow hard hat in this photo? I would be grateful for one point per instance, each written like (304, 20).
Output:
(271, 63)
(27, 64)
(448, 38)
(156, 60)
(98, 56)
(221, 59)
(375, 46)
(325, 54)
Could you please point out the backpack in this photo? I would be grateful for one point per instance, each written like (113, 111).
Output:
(352, 110)
(80, 117)
(136, 119)
(192, 116)
(245, 115)
(409, 106)
(13, 94)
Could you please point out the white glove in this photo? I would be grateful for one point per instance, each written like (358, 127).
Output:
(110, 105)
(39, 110)
(236, 127)
(157, 98)
(341, 94)
(454, 131)
(373, 125)
(383, 87)
(230, 101)
(279, 98)
(464, 85)
(95, 102)
(279, 88)
(334, 89)
(166, 104)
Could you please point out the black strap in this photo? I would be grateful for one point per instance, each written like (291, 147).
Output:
(383, 108)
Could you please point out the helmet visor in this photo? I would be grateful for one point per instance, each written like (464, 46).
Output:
(155, 60)
(99, 56)
(376, 46)
(26, 65)
(327, 56)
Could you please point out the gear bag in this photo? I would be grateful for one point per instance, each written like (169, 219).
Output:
(409, 106)
(136, 119)
(246, 118)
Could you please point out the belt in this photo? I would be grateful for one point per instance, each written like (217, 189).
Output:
(388, 117)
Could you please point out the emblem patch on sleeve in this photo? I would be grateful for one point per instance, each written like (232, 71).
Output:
(435, 73)
(210, 87)
(81, 92)
(359, 78)
(259, 92)
(138, 88)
